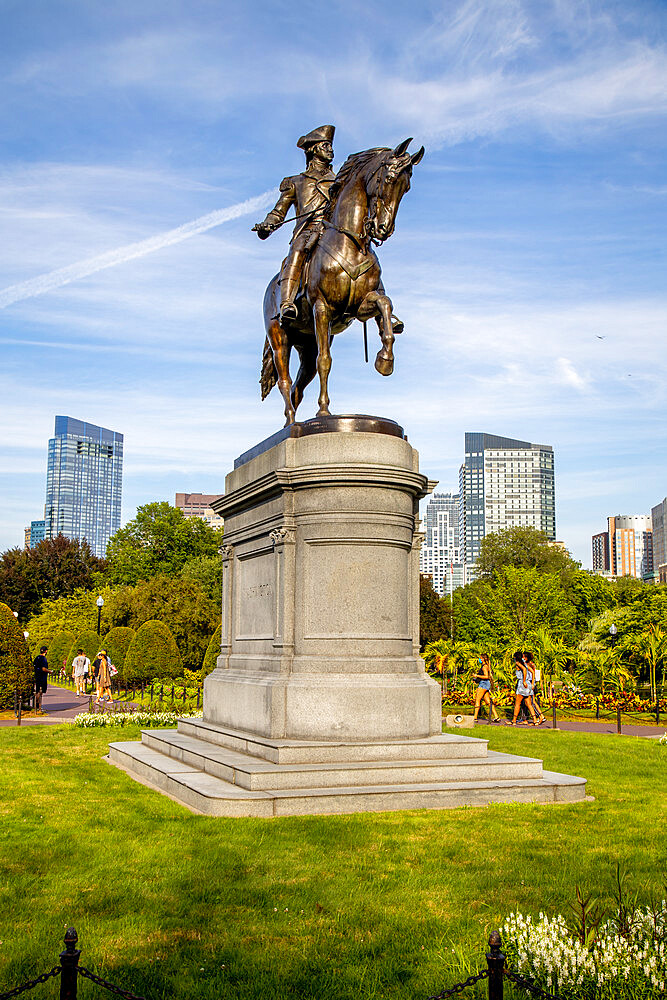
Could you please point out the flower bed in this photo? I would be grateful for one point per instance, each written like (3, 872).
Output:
(153, 720)
(629, 962)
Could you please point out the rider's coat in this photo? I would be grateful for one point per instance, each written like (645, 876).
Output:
(309, 193)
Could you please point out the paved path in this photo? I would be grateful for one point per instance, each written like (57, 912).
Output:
(60, 704)
(607, 728)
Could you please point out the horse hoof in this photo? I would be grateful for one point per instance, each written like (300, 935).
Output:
(324, 411)
(384, 365)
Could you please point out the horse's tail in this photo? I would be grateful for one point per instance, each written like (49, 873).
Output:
(269, 375)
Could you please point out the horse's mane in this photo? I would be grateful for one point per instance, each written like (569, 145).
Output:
(355, 163)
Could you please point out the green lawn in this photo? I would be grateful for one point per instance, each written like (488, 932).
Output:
(383, 905)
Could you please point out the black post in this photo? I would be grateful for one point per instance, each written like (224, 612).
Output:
(99, 620)
(553, 714)
(19, 696)
(151, 692)
(597, 708)
(657, 708)
(198, 690)
(618, 719)
(495, 961)
(69, 960)
(172, 694)
(161, 691)
(184, 690)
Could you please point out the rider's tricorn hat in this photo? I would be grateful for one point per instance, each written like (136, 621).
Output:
(324, 133)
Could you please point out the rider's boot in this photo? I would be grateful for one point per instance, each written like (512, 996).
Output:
(289, 286)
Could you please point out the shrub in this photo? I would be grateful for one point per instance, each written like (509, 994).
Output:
(59, 648)
(89, 642)
(212, 653)
(153, 652)
(15, 666)
(117, 642)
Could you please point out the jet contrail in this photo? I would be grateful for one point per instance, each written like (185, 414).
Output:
(65, 275)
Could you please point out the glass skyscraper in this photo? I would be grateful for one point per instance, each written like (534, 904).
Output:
(504, 483)
(84, 482)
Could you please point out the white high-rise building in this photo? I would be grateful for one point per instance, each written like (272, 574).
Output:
(440, 556)
(504, 483)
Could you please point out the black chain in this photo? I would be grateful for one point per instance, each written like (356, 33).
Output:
(30, 985)
(526, 984)
(107, 986)
(460, 987)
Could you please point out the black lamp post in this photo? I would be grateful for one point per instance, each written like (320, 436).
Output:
(100, 604)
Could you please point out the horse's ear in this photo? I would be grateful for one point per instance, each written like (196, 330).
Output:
(402, 146)
(416, 158)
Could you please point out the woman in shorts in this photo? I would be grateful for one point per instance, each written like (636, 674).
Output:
(483, 692)
(524, 690)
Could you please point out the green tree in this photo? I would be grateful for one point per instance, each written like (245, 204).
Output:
(522, 547)
(117, 642)
(207, 572)
(15, 664)
(511, 607)
(74, 613)
(159, 540)
(651, 647)
(54, 568)
(152, 653)
(590, 595)
(181, 604)
(59, 648)
(434, 613)
(213, 652)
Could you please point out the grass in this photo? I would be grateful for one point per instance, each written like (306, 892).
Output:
(395, 905)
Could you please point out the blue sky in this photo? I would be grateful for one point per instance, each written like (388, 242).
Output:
(534, 227)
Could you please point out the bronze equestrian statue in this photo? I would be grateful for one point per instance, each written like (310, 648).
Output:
(331, 275)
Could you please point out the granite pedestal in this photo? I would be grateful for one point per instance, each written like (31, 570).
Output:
(320, 701)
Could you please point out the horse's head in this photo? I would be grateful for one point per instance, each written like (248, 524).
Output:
(388, 184)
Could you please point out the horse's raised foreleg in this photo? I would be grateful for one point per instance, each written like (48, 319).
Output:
(379, 305)
(322, 318)
(281, 352)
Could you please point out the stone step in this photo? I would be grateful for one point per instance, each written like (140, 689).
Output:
(438, 747)
(214, 796)
(256, 775)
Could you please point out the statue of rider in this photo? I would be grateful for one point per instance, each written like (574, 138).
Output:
(309, 193)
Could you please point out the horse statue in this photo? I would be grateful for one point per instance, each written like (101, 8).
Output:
(342, 279)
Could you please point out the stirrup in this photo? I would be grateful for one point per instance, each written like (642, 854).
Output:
(288, 311)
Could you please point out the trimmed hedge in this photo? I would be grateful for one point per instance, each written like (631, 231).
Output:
(15, 663)
(89, 642)
(117, 642)
(59, 648)
(212, 653)
(153, 653)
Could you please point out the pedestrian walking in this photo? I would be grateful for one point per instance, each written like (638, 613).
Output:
(80, 667)
(534, 680)
(483, 691)
(103, 674)
(523, 689)
(41, 665)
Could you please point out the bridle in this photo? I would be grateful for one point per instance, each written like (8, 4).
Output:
(364, 239)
